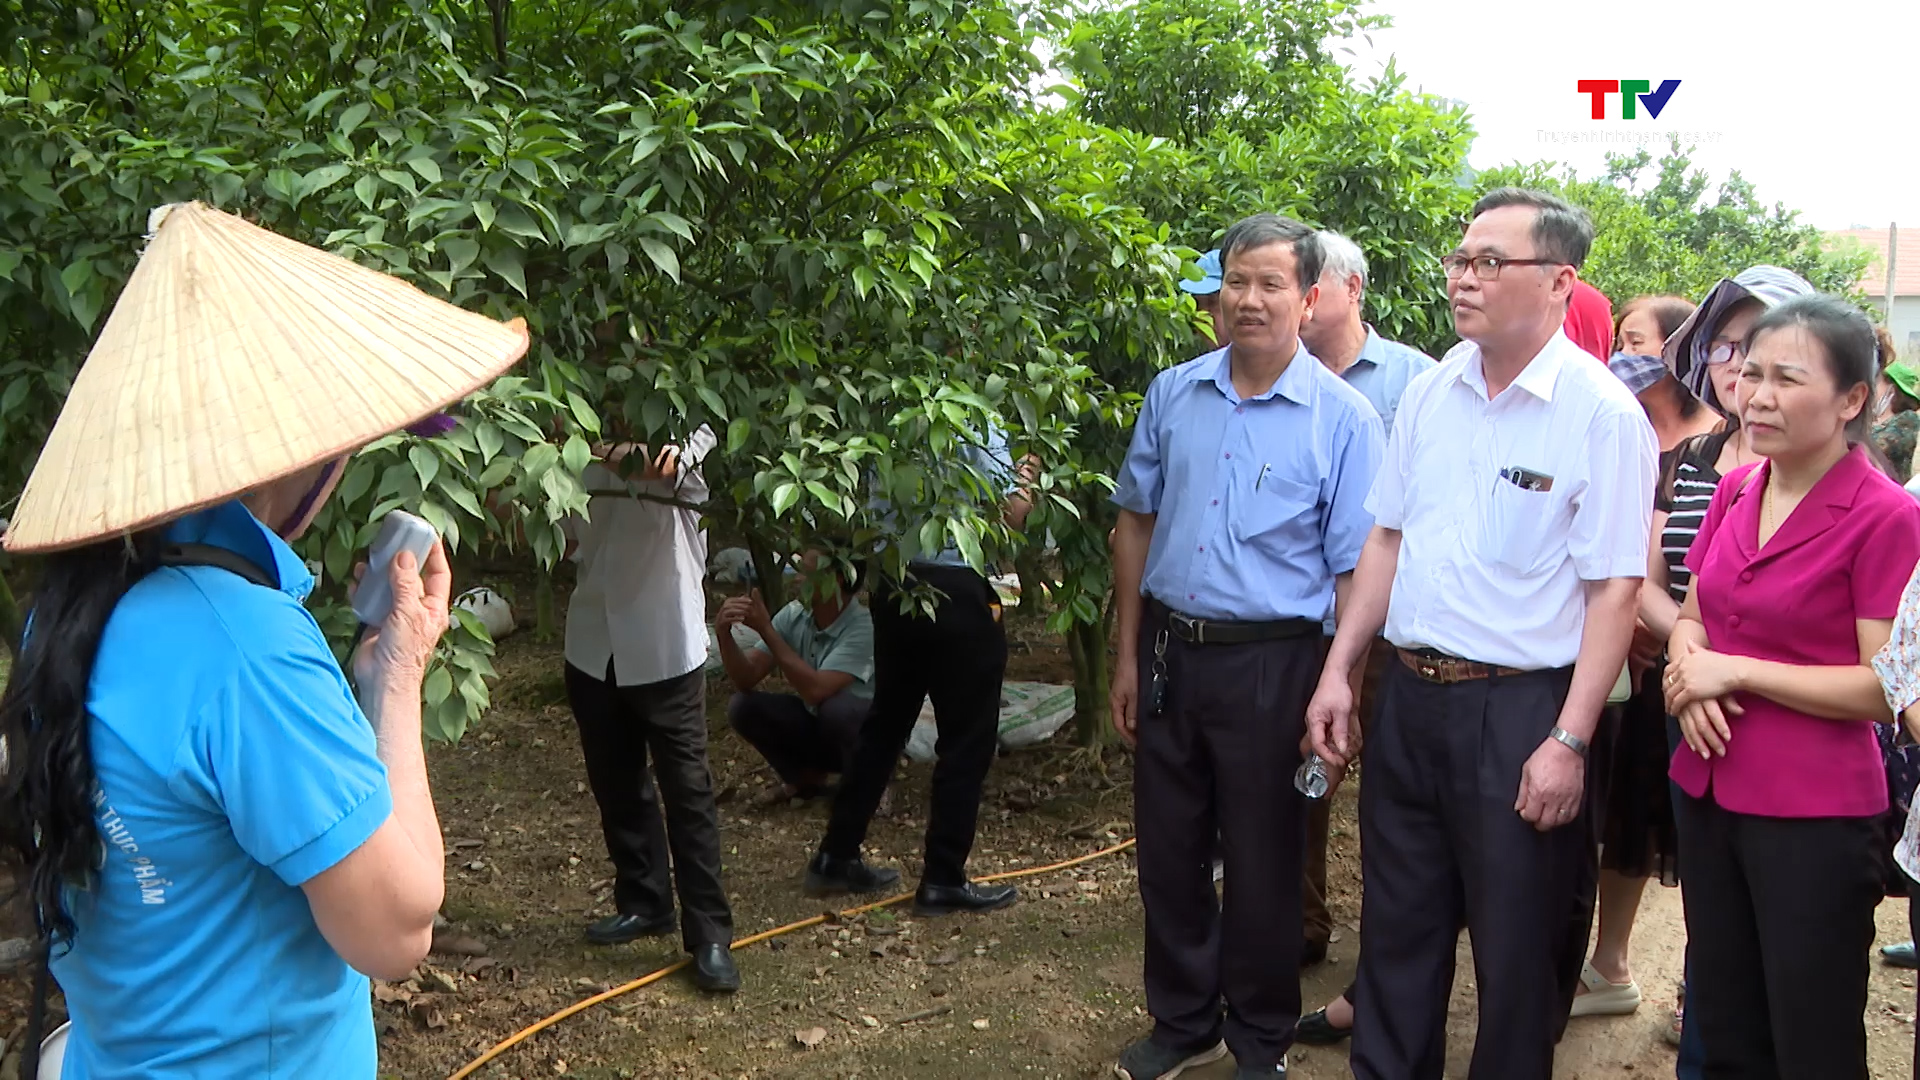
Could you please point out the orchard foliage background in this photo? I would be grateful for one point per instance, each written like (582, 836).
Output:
(845, 234)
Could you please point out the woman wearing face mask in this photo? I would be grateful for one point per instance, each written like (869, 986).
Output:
(1797, 568)
(220, 841)
(1636, 840)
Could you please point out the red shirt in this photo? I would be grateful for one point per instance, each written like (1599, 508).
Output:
(1844, 554)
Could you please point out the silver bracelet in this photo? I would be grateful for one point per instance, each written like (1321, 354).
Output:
(1572, 742)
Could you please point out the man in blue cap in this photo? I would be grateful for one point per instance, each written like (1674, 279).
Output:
(1206, 295)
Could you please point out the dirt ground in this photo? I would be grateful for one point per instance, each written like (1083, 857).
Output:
(1049, 988)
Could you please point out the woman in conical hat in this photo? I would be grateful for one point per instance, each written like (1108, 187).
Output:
(220, 840)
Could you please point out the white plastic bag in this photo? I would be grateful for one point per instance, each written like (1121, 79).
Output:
(490, 608)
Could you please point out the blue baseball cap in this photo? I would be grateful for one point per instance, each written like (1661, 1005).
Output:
(1209, 265)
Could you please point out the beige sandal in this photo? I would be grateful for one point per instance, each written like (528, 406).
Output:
(1603, 998)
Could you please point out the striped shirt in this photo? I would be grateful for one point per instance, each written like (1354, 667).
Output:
(1685, 500)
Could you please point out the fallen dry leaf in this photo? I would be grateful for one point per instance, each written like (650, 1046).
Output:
(810, 1037)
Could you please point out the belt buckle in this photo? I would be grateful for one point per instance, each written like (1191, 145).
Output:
(1188, 628)
(1430, 670)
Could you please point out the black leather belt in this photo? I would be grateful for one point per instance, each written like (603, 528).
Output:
(1230, 632)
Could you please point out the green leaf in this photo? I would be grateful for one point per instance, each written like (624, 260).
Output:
(426, 464)
(16, 392)
(863, 281)
(784, 497)
(320, 101)
(438, 685)
(712, 401)
(644, 149)
(323, 178)
(9, 262)
(353, 117)
(355, 484)
(506, 262)
(76, 276)
(483, 211)
(577, 454)
(490, 440)
(428, 169)
(367, 190)
(662, 256)
(540, 459)
(584, 412)
(513, 218)
(460, 253)
(737, 433)
(967, 540)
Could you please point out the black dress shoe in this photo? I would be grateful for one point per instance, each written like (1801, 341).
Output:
(714, 970)
(947, 899)
(1313, 952)
(1315, 1030)
(620, 929)
(828, 876)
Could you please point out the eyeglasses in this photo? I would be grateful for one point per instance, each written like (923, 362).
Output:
(1724, 353)
(1487, 267)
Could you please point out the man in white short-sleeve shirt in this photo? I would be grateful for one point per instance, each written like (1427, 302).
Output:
(1510, 537)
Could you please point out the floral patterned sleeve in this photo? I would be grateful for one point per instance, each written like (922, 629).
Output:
(1898, 663)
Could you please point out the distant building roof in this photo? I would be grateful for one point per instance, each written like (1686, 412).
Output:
(1907, 266)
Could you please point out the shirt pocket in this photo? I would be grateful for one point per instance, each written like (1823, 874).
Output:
(1275, 504)
(1521, 530)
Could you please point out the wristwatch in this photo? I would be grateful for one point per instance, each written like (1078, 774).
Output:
(1572, 742)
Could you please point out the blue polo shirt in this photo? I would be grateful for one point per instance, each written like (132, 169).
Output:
(1260, 501)
(232, 766)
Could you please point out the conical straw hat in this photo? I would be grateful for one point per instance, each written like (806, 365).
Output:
(235, 357)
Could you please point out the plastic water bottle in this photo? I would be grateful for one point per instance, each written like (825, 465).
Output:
(1311, 778)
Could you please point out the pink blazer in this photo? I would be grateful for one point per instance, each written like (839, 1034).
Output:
(1844, 554)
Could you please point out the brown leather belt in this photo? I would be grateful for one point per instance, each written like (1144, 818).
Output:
(1446, 670)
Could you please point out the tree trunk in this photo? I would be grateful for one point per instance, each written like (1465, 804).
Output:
(1087, 644)
(543, 620)
(1033, 596)
(768, 572)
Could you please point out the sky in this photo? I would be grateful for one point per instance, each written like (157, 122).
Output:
(1813, 103)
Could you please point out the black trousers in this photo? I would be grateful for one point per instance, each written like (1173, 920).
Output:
(1220, 762)
(1441, 846)
(620, 727)
(1779, 923)
(798, 741)
(958, 658)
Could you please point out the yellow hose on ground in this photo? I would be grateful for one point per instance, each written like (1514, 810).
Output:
(578, 1007)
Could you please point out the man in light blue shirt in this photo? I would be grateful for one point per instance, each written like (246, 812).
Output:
(1339, 335)
(1241, 519)
(1340, 338)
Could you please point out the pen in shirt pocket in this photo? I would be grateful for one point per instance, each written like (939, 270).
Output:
(1262, 476)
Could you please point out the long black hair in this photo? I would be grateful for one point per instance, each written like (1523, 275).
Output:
(46, 759)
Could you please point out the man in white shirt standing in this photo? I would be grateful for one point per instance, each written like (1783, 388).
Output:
(636, 654)
(1510, 538)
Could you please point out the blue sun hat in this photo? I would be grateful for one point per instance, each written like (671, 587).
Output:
(1209, 265)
